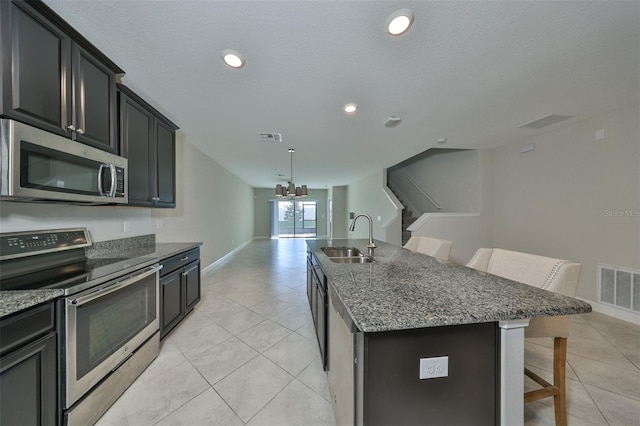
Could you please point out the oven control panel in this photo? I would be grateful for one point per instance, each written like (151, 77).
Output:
(21, 244)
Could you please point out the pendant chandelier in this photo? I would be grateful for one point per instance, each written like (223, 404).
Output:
(291, 191)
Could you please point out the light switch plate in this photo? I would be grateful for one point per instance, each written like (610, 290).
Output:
(431, 368)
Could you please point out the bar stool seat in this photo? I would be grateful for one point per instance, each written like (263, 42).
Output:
(560, 276)
(434, 247)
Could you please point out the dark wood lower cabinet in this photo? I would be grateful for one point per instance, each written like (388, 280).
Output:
(28, 372)
(179, 288)
(317, 295)
(172, 301)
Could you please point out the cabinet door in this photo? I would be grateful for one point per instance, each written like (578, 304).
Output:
(36, 79)
(172, 303)
(94, 87)
(191, 276)
(136, 138)
(310, 288)
(314, 298)
(166, 165)
(28, 384)
(321, 326)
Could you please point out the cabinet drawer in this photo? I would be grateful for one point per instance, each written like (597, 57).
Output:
(20, 329)
(178, 261)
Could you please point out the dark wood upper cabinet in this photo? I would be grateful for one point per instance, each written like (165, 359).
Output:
(54, 79)
(94, 101)
(147, 140)
(166, 163)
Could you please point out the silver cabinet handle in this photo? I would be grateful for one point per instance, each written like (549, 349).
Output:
(155, 198)
(184, 259)
(80, 131)
(71, 127)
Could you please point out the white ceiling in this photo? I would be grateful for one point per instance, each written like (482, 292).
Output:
(468, 71)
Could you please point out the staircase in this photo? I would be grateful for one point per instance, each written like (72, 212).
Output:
(407, 219)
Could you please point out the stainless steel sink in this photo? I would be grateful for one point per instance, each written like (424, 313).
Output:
(341, 251)
(354, 259)
(346, 255)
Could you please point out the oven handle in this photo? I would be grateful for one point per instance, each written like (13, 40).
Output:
(116, 286)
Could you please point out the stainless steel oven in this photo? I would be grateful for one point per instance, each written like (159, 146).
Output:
(38, 165)
(104, 325)
(108, 317)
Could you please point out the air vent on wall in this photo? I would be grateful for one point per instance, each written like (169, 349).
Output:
(619, 287)
(271, 137)
(545, 121)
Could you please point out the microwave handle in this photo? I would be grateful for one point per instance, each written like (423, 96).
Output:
(100, 171)
(114, 187)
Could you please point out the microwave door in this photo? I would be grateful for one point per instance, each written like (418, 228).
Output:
(43, 166)
(45, 169)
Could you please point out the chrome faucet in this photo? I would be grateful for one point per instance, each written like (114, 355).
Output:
(371, 246)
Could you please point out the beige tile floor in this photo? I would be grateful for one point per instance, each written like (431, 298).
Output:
(247, 355)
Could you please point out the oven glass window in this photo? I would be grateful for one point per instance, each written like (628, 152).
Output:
(106, 324)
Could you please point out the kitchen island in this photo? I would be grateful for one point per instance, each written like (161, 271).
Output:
(385, 316)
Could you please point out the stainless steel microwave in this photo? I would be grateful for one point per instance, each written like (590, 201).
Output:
(37, 166)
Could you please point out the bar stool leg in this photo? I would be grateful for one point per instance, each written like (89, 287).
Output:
(559, 381)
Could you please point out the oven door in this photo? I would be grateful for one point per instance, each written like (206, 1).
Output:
(104, 326)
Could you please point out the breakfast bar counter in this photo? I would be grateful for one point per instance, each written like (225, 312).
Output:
(404, 290)
(389, 320)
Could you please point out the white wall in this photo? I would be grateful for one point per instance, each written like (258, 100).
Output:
(338, 195)
(370, 195)
(103, 222)
(213, 206)
(561, 199)
(468, 231)
(449, 176)
(262, 212)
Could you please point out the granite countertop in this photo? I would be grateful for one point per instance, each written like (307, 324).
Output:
(405, 290)
(17, 300)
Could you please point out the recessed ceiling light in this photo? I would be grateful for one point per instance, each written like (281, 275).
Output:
(350, 108)
(399, 22)
(232, 58)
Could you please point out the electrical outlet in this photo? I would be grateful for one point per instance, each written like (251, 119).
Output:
(159, 224)
(126, 226)
(430, 368)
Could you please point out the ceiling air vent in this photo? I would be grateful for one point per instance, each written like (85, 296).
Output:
(545, 121)
(271, 137)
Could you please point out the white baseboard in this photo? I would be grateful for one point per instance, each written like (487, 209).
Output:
(620, 314)
(223, 258)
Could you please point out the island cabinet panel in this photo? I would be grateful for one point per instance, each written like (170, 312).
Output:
(318, 303)
(179, 288)
(147, 140)
(393, 392)
(28, 373)
(54, 79)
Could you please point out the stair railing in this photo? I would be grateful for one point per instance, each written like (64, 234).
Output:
(422, 191)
